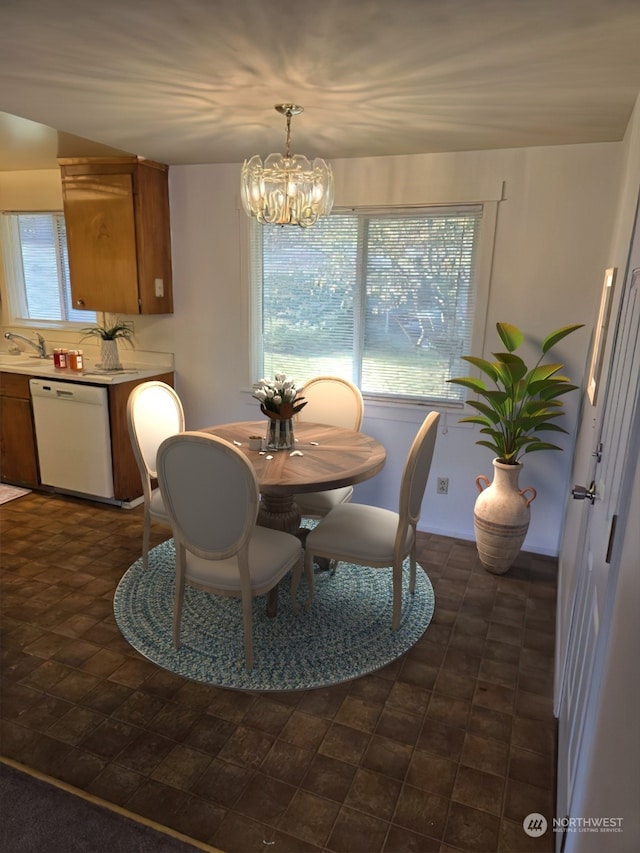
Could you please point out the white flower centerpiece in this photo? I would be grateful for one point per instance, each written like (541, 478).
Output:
(279, 401)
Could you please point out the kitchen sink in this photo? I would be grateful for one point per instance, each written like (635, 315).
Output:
(6, 358)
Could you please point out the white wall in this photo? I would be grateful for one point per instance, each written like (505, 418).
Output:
(553, 231)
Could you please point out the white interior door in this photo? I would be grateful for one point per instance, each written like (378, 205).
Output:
(593, 583)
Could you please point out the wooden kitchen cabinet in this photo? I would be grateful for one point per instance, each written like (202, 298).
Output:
(116, 213)
(18, 454)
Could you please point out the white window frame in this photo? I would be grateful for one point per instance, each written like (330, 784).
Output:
(482, 278)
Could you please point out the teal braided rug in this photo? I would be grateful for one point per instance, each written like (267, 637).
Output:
(345, 634)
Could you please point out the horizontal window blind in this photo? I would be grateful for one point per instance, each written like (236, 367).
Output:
(40, 245)
(43, 280)
(308, 289)
(386, 299)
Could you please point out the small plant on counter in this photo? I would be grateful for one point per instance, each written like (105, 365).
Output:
(118, 330)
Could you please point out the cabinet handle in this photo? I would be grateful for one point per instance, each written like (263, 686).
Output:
(80, 302)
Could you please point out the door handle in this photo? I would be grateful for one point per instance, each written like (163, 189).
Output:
(581, 493)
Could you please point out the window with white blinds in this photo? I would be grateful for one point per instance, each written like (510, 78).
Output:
(38, 269)
(386, 299)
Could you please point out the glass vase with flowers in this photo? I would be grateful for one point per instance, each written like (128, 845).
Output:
(279, 401)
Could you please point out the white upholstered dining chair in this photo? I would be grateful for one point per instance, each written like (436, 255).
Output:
(336, 402)
(211, 496)
(154, 412)
(376, 537)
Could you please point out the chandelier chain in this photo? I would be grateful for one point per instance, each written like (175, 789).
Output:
(288, 144)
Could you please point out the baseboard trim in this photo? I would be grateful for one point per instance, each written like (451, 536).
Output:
(98, 801)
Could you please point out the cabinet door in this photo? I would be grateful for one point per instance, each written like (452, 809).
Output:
(18, 461)
(101, 236)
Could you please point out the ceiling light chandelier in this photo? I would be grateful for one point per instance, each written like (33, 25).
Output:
(287, 190)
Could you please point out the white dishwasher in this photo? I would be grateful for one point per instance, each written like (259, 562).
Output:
(73, 436)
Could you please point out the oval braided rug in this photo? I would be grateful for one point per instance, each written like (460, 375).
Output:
(345, 634)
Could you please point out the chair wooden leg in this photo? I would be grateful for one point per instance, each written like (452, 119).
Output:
(308, 573)
(295, 580)
(412, 577)
(248, 631)
(397, 594)
(177, 609)
(272, 602)
(146, 536)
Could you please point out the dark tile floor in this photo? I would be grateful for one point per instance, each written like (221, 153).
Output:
(448, 748)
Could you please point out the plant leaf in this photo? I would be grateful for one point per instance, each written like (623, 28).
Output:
(553, 338)
(504, 376)
(530, 423)
(551, 392)
(491, 446)
(514, 364)
(475, 419)
(540, 385)
(486, 410)
(484, 365)
(470, 382)
(496, 399)
(540, 407)
(540, 445)
(544, 371)
(550, 427)
(510, 335)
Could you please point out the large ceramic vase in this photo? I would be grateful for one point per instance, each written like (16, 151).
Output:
(501, 517)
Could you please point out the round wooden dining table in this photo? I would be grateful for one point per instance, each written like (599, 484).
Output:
(324, 457)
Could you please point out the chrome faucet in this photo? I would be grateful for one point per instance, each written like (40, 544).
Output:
(40, 347)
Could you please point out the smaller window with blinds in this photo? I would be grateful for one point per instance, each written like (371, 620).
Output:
(388, 299)
(37, 269)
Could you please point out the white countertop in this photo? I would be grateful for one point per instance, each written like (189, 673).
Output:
(91, 375)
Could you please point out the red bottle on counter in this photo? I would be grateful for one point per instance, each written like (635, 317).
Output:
(61, 358)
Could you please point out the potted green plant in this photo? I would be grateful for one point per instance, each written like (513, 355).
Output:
(109, 334)
(519, 404)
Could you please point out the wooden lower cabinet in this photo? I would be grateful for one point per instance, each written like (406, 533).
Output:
(18, 455)
(18, 448)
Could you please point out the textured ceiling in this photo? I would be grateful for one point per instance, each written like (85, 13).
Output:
(195, 81)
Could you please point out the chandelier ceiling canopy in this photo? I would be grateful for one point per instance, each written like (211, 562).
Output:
(287, 190)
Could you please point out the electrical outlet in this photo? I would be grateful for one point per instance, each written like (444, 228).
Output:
(442, 485)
